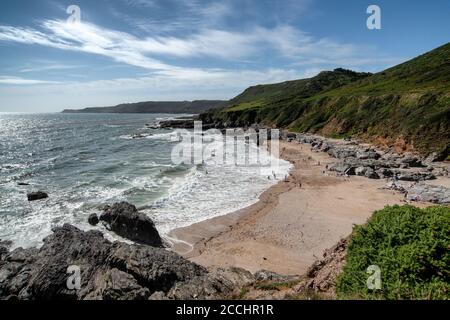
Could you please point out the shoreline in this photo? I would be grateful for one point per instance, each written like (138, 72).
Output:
(293, 223)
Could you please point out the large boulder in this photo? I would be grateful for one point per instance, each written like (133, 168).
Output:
(342, 168)
(93, 219)
(125, 220)
(412, 161)
(33, 196)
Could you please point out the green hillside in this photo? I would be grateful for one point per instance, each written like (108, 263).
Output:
(409, 103)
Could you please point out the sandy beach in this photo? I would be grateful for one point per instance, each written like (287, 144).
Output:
(292, 224)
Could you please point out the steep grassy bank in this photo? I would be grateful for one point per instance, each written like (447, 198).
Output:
(410, 246)
(407, 105)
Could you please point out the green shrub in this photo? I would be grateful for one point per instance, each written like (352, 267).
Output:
(411, 246)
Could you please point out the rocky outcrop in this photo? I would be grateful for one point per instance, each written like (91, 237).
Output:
(421, 192)
(358, 159)
(429, 193)
(4, 248)
(108, 271)
(33, 196)
(112, 271)
(126, 221)
(322, 275)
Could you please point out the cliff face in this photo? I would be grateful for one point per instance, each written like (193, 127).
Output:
(155, 107)
(407, 104)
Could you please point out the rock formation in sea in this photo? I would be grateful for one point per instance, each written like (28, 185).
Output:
(126, 221)
(33, 196)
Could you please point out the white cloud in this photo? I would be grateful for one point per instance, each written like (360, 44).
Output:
(21, 81)
(141, 3)
(147, 53)
(51, 67)
(164, 80)
(163, 85)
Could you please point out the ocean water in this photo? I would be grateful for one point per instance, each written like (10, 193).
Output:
(85, 161)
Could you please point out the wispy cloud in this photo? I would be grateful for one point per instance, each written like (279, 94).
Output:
(21, 81)
(52, 67)
(141, 3)
(149, 52)
(221, 84)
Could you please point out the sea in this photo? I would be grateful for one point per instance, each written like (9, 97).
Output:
(87, 161)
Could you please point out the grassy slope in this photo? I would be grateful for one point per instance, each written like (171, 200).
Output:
(409, 101)
(410, 247)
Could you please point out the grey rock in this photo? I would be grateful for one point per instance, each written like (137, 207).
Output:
(33, 196)
(217, 284)
(360, 171)
(342, 168)
(432, 157)
(371, 174)
(204, 287)
(4, 248)
(93, 219)
(368, 155)
(404, 175)
(411, 161)
(384, 173)
(264, 275)
(428, 193)
(158, 295)
(114, 284)
(108, 270)
(125, 220)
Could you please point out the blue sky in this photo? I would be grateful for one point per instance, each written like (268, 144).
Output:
(137, 50)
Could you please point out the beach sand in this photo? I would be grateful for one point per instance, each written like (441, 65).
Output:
(293, 223)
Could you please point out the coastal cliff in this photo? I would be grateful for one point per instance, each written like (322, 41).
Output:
(190, 107)
(406, 107)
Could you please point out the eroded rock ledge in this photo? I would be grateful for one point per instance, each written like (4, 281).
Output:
(109, 271)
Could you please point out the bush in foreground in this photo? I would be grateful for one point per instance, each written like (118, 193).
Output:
(411, 246)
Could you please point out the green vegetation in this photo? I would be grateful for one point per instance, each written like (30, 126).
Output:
(411, 246)
(410, 101)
